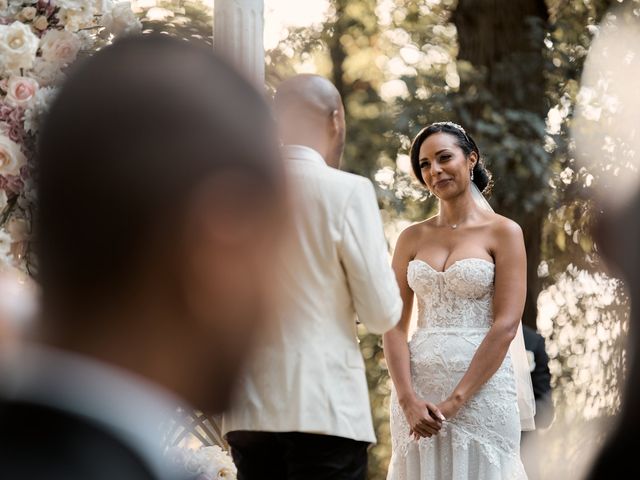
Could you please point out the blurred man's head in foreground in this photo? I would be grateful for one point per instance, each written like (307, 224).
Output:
(158, 215)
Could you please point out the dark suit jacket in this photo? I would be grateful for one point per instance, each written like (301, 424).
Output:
(39, 442)
(540, 377)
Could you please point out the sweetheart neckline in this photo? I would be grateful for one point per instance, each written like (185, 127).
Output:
(453, 264)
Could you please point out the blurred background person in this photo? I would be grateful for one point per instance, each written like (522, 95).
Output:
(157, 225)
(303, 411)
(605, 131)
(541, 381)
(619, 237)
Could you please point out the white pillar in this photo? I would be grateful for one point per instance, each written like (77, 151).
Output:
(238, 35)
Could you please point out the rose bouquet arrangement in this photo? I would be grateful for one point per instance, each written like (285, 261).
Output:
(39, 39)
(206, 463)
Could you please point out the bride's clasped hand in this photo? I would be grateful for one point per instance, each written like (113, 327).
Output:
(424, 418)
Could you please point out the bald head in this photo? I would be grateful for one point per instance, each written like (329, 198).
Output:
(310, 94)
(310, 112)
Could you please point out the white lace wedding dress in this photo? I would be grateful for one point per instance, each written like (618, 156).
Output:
(482, 442)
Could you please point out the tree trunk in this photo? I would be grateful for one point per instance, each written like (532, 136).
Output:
(505, 39)
(336, 50)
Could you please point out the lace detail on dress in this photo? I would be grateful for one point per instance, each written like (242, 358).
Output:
(483, 440)
(458, 296)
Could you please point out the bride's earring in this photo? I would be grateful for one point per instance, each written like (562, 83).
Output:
(472, 174)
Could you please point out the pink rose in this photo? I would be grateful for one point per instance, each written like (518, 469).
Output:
(16, 134)
(60, 47)
(16, 116)
(20, 90)
(11, 184)
(5, 111)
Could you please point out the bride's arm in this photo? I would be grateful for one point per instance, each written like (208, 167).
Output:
(508, 304)
(396, 349)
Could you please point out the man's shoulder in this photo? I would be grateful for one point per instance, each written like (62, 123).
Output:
(350, 183)
(337, 184)
(38, 439)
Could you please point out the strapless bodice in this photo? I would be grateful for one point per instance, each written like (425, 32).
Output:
(459, 297)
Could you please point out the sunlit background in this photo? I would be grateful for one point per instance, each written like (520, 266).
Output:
(401, 64)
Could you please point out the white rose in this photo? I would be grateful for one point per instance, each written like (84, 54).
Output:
(71, 4)
(46, 73)
(75, 19)
(20, 91)
(121, 20)
(11, 157)
(59, 46)
(18, 46)
(102, 6)
(18, 293)
(5, 249)
(38, 106)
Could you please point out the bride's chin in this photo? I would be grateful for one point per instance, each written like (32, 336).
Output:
(448, 196)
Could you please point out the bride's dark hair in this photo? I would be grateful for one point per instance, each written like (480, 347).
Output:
(481, 176)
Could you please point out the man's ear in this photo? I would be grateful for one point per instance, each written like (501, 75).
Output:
(335, 122)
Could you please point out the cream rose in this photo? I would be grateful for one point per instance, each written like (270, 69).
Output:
(59, 47)
(11, 157)
(3, 201)
(18, 228)
(41, 23)
(27, 14)
(20, 91)
(18, 46)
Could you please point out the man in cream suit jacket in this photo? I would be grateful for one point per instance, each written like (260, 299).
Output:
(302, 411)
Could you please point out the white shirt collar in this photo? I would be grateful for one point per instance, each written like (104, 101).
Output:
(302, 152)
(130, 407)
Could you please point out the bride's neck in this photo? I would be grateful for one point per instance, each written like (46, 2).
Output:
(457, 210)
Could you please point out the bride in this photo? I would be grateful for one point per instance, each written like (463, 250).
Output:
(462, 390)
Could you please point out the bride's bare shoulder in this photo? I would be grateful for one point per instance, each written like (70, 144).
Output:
(503, 226)
(413, 233)
(419, 228)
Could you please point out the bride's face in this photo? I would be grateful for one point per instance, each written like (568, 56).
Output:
(444, 166)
